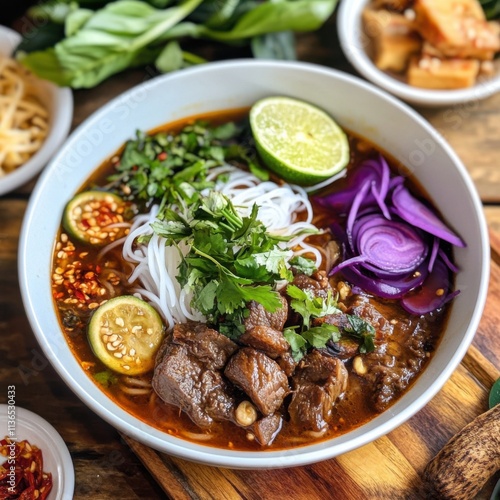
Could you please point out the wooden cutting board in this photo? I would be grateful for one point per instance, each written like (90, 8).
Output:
(388, 468)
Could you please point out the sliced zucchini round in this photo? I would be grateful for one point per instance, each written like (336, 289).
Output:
(125, 334)
(95, 217)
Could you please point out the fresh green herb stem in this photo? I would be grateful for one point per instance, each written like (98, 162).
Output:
(120, 34)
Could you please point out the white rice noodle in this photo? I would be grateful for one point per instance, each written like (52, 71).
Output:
(156, 264)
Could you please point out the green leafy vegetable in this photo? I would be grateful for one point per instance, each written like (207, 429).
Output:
(128, 33)
(111, 40)
(310, 307)
(494, 398)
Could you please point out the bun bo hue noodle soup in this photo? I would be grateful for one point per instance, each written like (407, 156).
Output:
(238, 311)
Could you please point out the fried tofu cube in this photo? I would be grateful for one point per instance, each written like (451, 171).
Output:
(457, 28)
(433, 73)
(429, 50)
(393, 39)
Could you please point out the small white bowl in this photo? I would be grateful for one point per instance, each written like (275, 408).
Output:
(59, 102)
(354, 44)
(38, 432)
(357, 106)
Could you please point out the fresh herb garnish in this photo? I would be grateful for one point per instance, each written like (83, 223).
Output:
(231, 261)
(106, 378)
(362, 331)
(164, 167)
(309, 307)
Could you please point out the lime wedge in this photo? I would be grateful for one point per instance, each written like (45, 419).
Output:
(298, 141)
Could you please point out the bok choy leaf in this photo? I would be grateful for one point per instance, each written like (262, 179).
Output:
(129, 33)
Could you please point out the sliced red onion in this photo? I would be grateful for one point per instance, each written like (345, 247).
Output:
(387, 240)
(433, 293)
(353, 212)
(386, 288)
(417, 214)
(341, 201)
(391, 246)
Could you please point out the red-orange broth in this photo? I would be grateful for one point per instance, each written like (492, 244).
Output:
(80, 262)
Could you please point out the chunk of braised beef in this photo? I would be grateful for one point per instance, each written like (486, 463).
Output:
(388, 372)
(267, 428)
(185, 381)
(317, 283)
(204, 343)
(345, 348)
(376, 312)
(260, 377)
(400, 350)
(266, 339)
(259, 316)
(318, 382)
(287, 363)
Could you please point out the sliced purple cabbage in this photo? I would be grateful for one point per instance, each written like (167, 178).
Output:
(394, 245)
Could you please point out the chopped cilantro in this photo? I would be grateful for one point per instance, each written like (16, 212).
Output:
(308, 306)
(232, 259)
(106, 378)
(362, 331)
(166, 166)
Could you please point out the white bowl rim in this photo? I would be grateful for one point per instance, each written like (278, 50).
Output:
(60, 126)
(262, 459)
(349, 40)
(50, 442)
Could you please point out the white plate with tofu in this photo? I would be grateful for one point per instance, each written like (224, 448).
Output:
(427, 52)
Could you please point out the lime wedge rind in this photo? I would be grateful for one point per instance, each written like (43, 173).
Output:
(298, 141)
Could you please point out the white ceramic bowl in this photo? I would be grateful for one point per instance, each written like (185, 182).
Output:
(56, 457)
(357, 105)
(59, 102)
(354, 44)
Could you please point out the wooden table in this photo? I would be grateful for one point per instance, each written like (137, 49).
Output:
(109, 466)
